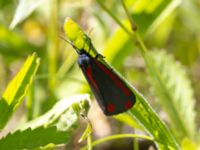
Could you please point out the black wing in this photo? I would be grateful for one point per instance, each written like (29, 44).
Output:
(112, 94)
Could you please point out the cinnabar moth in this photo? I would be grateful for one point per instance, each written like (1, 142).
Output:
(111, 93)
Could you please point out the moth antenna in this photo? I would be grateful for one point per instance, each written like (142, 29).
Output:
(69, 42)
(90, 31)
(66, 40)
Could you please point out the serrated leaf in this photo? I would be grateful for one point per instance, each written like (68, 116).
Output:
(175, 93)
(18, 86)
(61, 110)
(31, 138)
(17, 89)
(24, 9)
(56, 126)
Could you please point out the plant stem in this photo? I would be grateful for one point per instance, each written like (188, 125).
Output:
(114, 17)
(53, 44)
(89, 142)
(133, 25)
(118, 136)
(130, 33)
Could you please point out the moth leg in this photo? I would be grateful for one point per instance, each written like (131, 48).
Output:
(99, 55)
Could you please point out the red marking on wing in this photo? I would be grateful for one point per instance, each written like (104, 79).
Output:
(128, 104)
(111, 107)
(89, 75)
(114, 78)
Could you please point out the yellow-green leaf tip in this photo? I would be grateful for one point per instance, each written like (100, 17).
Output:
(71, 29)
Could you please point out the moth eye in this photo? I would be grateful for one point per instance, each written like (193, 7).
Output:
(128, 104)
(111, 107)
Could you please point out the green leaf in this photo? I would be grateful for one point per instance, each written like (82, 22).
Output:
(24, 9)
(56, 126)
(144, 114)
(175, 94)
(62, 112)
(127, 119)
(141, 111)
(17, 89)
(31, 138)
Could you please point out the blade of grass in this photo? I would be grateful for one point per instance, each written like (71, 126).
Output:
(52, 50)
(17, 89)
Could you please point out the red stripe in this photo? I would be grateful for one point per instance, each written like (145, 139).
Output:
(117, 81)
(89, 75)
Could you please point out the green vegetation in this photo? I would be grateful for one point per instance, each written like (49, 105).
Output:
(153, 44)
